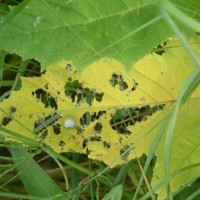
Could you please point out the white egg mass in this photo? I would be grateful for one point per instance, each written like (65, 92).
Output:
(69, 123)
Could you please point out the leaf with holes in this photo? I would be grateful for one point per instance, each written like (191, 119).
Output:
(96, 113)
(106, 112)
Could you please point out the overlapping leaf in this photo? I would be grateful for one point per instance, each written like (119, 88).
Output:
(85, 31)
(185, 164)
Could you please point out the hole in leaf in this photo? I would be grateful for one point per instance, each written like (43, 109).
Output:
(41, 124)
(95, 138)
(12, 63)
(61, 143)
(85, 141)
(78, 93)
(87, 117)
(45, 98)
(56, 129)
(118, 80)
(6, 120)
(68, 67)
(122, 151)
(129, 116)
(80, 130)
(160, 49)
(106, 144)
(135, 85)
(98, 127)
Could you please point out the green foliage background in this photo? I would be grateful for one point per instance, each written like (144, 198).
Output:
(84, 31)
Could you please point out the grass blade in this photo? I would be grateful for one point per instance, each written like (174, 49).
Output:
(35, 180)
(115, 193)
(122, 173)
(2, 56)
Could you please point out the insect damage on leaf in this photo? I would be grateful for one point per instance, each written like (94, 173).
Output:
(57, 129)
(61, 144)
(69, 68)
(6, 120)
(129, 116)
(41, 124)
(87, 117)
(118, 80)
(77, 92)
(124, 153)
(98, 127)
(45, 98)
(101, 112)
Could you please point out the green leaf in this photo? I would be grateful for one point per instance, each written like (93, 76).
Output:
(84, 31)
(114, 194)
(34, 178)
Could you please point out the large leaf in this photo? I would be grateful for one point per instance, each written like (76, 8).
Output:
(185, 151)
(85, 31)
(106, 110)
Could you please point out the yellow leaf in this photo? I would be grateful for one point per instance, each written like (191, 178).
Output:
(107, 108)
